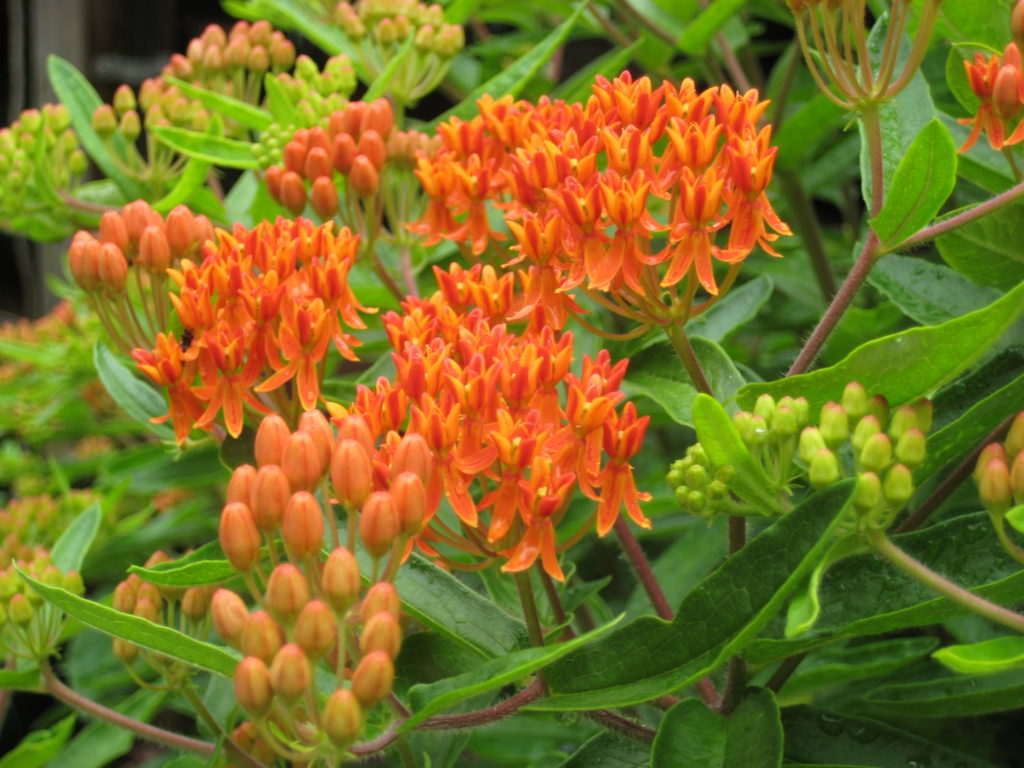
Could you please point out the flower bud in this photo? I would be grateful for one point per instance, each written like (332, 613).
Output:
(343, 152)
(271, 439)
(229, 616)
(372, 145)
(125, 594)
(1017, 23)
(340, 579)
(412, 454)
(1014, 442)
(316, 629)
(343, 718)
(287, 593)
(381, 633)
(363, 177)
(273, 176)
(378, 524)
(130, 125)
(293, 192)
(867, 492)
(124, 99)
(261, 637)
(239, 537)
(104, 121)
(876, 454)
(765, 407)
(903, 419)
(294, 155)
(271, 492)
(301, 461)
(382, 596)
(124, 651)
(303, 526)
(253, 688)
(282, 54)
(855, 401)
(823, 469)
(373, 678)
(145, 608)
(784, 422)
(835, 426)
(995, 487)
(1017, 478)
(290, 673)
(898, 486)
(811, 441)
(351, 473)
(910, 448)
(324, 197)
(195, 603)
(379, 117)
(317, 426)
(1006, 92)
(180, 229)
(240, 487)
(317, 164)
(20, 610)
(113, 230)
(258, 60)
(988, 453)
(878, 407)
(867, 427)
(410, 500)
(112, 267)
(716, 491)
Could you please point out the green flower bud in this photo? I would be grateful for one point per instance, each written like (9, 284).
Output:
(31, 120)
(876, 454)
(823, 468)
(834, 424)
(73, 583)
(765, 407)
(680, 494)
(725, 473)
(865, 428)
(868, 491)
(784, 422)
(758, 432)
(811, 441)
(878, 406)
(57, 117)
(78, 164)
(995, 487)
(855, 401)
(697, 477)
(910, 448)
(697, 454)
(20, 610)
(898, 486)
(742, 421)
(695, 502)
(675, 478)
(124, 99)
(716, 490)
(129, 126)
(903, 419)
(305, 69)
(104, 121)
(924, 409)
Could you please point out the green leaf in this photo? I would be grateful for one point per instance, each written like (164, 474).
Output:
(137, 630)
(920, 185)
(864, 595)
(100, 743)
(73, 544)
(653, 657)
(229, 153)
(191, 574)
(738, 308)
(227, 106)
(192, 179)
(724, 446)
(698, 33)
(429, 699)
(380, 85)
(515, 77)
(693, 735)
(987, 250)
(816, 737)
(236, 451)
(805, 130)
(657, 373)
(1015, 517)
(905, 365)
(996, 655)
(606, 750)
(21, 679)
(458, 11)
(280, 105)
(959, 21)
(137, 399)
(950, 696)
(39, 747)
(610, 64)
(24, 352)
(925, 292)
(77, 94)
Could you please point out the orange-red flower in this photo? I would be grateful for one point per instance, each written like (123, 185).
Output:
(998, 82)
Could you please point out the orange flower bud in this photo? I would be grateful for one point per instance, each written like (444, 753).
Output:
(995, 486)
(318, 137)
(382, 596)
(144, 609)
(113, 230)
(137, 216)
(83, 260)
(287, 592)
(343, 152)
(293, 193)
(261, 637)
(125, 652)
(412, 454)
(180, 230)
(125, 594)
(343, 718)
(258, 60)
(316, 424)
(240, 486)
(378, 116)
(301, 461)
(318, 164)
(378, 524)
(154, 250)
(202, 230)
(381, 633)
(271, 438)
(239, 537)
(351, 473)
(355, 427)
(373, 678)
(149, 592)
(988, 453)
(290, 673)
(253, 688)
(229, 616)
(324, 197)
(1006, 92)
(273, 176)
(363, 177)
(294, 156)
(303, 526)
(1017, 23)
(316, 629)
(282, 53)
(340, 579)
(410, 499)
(270, 495)
(352, 117)
(372, 146)
(195, 603)
(112, 267)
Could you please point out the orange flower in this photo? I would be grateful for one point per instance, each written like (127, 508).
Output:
(999, 83)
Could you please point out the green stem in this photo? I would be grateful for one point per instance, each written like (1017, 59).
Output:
(925, 575)
(677, 335)
(529, 604)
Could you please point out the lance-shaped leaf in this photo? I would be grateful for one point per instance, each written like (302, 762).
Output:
(954, 696)
(219, 150)
(73, 544)
(605, 750)
(227, 106)
(996, 655)
(138, 399)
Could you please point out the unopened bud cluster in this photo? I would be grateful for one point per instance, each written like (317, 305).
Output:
(999, 476)
(30, 627)
(39, 158)
(380, 28)
(312, 609)
(184, 608)
(698, 486)
(31, 522)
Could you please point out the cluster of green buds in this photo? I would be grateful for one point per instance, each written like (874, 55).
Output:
(29, 627)
(699, 487)
(311, 612)
(33, 521)
(363, 157)
(863, 437)
(186, 609)
(384, 29)
(999, 475)
(835, 43)
(40, 163)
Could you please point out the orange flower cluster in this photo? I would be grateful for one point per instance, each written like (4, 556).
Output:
(998, 82)
(259, 312)
(512, 429)
(577, 183)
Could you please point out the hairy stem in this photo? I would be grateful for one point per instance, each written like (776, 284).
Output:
(529, 604)
(925, 575)
(677, 335)
(643, 570)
